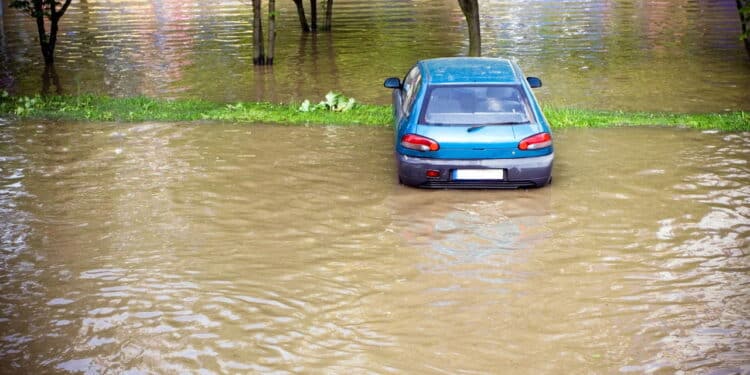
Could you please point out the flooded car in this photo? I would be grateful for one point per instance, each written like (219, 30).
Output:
(469, 122)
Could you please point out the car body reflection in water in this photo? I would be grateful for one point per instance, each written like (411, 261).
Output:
(477, 234)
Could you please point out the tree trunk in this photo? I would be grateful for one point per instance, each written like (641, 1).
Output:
(314, 15)
(49, 78)
(54, 19)
(48, 42)
(329, 15)
(271, 30)
(43, 42)
(744, 22)
(301, 14)
(470, 8)
(259, 57)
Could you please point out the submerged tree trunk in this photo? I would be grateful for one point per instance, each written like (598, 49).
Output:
(259, 57)
(313, 25)
(301, 14)
(470, 8)
(50, 78)
(271, 31)
(314, 15)
(743, 7)
(329, 15)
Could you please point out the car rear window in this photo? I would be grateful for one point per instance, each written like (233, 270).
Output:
(475, 105)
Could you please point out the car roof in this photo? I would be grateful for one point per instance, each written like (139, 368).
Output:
(457, 70)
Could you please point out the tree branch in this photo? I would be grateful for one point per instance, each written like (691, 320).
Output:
(63, 9)
(52, 11)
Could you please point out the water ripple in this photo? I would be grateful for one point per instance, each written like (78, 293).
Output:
(231, 248)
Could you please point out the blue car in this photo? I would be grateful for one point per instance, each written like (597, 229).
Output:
(470, 122)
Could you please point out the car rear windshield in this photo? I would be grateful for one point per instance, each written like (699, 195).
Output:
(475, 105)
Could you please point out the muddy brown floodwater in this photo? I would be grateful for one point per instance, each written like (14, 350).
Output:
(224, 248)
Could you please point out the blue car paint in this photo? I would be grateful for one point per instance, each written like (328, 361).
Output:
(490, 145)
(487, 142)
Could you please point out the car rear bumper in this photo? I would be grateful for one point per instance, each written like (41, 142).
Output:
(519, 173)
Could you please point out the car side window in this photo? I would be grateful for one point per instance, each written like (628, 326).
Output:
(412, 83)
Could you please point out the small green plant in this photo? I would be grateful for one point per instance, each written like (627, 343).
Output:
(5, 101)
(26, 105)
(236, 107)
(335, 102)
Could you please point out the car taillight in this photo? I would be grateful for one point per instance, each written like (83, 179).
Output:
(536, 142)
(419, 143)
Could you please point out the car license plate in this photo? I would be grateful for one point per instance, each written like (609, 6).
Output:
(478, 174)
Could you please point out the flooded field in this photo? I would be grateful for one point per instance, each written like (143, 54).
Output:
(218, 248)
(675, 55)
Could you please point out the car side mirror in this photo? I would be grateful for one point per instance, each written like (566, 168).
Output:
(534, 82)
(392, 83)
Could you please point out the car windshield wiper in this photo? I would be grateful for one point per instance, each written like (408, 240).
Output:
(477, 127)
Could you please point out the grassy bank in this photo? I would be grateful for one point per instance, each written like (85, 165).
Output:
(136, 109)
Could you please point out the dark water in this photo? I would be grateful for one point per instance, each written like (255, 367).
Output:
(217, 248)
(678, 55)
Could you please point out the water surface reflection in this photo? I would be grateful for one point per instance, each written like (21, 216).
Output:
(678, 55)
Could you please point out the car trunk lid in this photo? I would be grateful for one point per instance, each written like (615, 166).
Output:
(478, 141)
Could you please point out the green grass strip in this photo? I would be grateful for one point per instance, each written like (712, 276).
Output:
(578, 118)
(139, 109)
